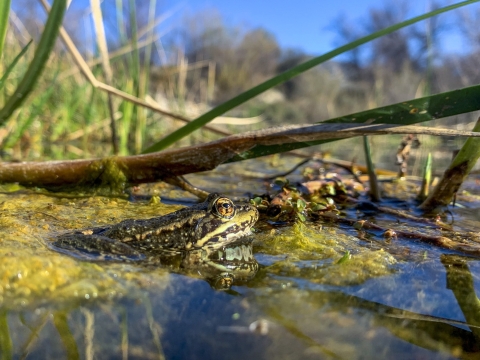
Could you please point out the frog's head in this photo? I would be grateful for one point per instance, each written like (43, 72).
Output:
(224, 221)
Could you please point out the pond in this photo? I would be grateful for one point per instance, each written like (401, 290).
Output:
(314, 290)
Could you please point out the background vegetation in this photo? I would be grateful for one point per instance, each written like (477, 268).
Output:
(201, 62)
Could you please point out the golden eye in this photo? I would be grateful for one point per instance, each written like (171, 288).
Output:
(224, 207)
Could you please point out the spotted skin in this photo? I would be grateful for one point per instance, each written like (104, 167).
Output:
(217, 221)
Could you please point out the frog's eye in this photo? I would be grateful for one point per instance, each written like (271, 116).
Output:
(224, 208)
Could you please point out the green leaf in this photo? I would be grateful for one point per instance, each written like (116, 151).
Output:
(329, 189)
(317, 207)
(4, 12)
(344, 258)
(281, 78)
(40, 58)
(301, 217)
(406, 113)
(13, 63)
(301, 204)
(256, 201)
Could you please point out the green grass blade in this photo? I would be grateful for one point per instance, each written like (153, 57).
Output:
(144, 76)
(4, 12)
(13, 63)
(419, 110)
(406, 113)
(372, 176)
(251, 93)
(426, 179)
(6, 346)
(24, 124)
(40, 58)
(61, 324)
(127, 109)
(456, 173)
(120, 21)
(135, 73)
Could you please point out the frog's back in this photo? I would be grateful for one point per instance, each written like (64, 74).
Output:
(174, 230)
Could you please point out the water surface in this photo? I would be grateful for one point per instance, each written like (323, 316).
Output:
(393, 299)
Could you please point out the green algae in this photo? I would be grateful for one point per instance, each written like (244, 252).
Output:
(298, 241)
(110, 174)
(314, 253)
(360, 268)
(307, 289)
(31, 273)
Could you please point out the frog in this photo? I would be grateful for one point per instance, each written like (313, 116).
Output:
(213, 223)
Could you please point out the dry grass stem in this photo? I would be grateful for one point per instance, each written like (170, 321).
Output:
(20, 27)
(120, 51)
(80, 62)
(94, 127)
(103, 48)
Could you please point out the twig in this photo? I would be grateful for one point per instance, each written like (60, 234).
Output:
(288, 172)
(183, 184)
(402, 214)
(116, 172)
(439, 241)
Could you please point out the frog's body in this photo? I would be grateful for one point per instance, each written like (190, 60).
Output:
(217, 221)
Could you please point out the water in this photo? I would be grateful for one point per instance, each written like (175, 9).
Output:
(394, 299)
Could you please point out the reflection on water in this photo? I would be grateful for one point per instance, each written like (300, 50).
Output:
(460, 281)
(189, 319)
(292, 297)
(221, 267)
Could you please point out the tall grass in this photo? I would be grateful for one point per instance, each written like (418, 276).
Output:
(74, 106)
(36, 66)
(283, 77)
(4, 11)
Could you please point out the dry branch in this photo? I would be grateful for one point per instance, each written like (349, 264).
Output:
(119, 171)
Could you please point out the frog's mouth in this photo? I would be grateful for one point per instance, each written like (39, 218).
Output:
(226, 235)
(213, 231)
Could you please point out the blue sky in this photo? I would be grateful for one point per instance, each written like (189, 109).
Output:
(304, 24)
